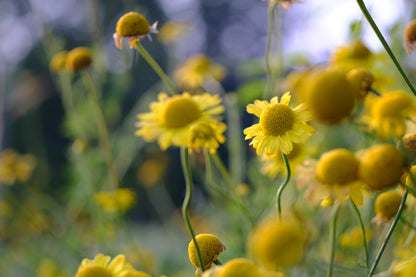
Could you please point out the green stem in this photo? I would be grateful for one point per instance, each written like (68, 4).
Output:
(332, 238)
(155, 67)
(389, 233)
(103, 134)
(385, 45)
(282, 186)
(188, 197)
(374, 91)
(217, 262)
(67, 97)
(357, 212)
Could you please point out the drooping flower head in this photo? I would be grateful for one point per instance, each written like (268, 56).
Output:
(184, 120)
(210, 247)
(78, 58)
(280, 125)
(58, 62)
(361, 80)
(103, 266)
(240, 267)
(409, 37)
(353, 55)
(386, 206)
(133, 26)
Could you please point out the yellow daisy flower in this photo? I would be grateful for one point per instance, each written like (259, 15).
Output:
(279, 125)
(334, 178)
(103, 266)
(353, 55)
(183, 120)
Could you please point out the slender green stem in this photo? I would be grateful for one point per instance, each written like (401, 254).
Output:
(385, 44)
(374, 91)
(103, 134)
(67, 97)
(357, 212)
(282, 186)
(389, 233)
(332, 238)
(188, 197)
(149, 59)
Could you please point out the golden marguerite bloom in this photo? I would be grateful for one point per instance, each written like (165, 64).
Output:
(112, 201)
(280, 125)
(78, 58)
(182, 120)
(353, 55)
(210, 247)
(381, 167)
(15, 167)
(329, 95)
(103, 266)
(275, 244)
(409, 37)
(196, 70)
(172, 31)
(353, 238)
(390, 112)
(58, 62)
(334, 178)
(240, 267)
(361, 80)
(134, 27)
(284, 3)
(387, 204)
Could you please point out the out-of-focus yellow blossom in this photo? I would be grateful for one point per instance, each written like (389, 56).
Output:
(284, 3)
(411, 178)
(353, 55)
(78, 58)
(409, 142)
(112, 201)
(240, 267)
(409, 37)
(151, 171)
(386, 206)
(15, 167)
(329, 95)
(389, 113)
(361, 80)
(103, 266)
(134, 27)
(173, 30)
(404, 268)
(58, 62)
(353, 238)
(48, 268)
(334, 178)
(242, 189)
(79, 145)
(207, 135)
(172, 121)
(210, 247)
(196, 70)
(275, 244)
(381, 167)
(280, 125)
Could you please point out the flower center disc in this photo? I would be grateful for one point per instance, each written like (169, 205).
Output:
(179, 112)
(93, 271)
(277, 119)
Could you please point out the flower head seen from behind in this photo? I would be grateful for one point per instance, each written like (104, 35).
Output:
(210, 247)
(133, 26)
(103, 266)
(280, 125)
(184, 120)
(409, 37)
(78, 58)
(58, 62)
(386, 206)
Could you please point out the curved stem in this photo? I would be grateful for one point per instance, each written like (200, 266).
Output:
(282, 186)
(332, 238)
(103, 134)
(385, 45)
(357, 212)
(389, 233)
(155, 67)
(188, 197)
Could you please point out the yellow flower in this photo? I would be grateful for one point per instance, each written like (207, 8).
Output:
(387, 204)
(15, 167)
(120, 200)
(381, 167)
(389, 113)
(134, 27)
(409, 142)
(279, 125)
(152, 171)
(409, 37)
(405, 268)
(210, 247)
(411, 176)
(361, 80)
(58, 62)
(353, 238)
(103, 266)
(275, 244)
(78, 58)
(329, 95)
(353, 55)
(172, 30)
(196, 70)
(334, 178)
(47, 268)
(240, 267)
(172, 121)
(207, 135)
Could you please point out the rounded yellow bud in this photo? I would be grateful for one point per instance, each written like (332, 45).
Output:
(58, 62)
(240, 267)
(78, 58)
(132, 24)
(361, 80)
(387, 204)
(210, 247)
(381, 167)
(337, 167)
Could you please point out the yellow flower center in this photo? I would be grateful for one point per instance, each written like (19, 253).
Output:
(179, 112)
(337, 167)
(132, 24)
(94, 271)
(277, 119)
